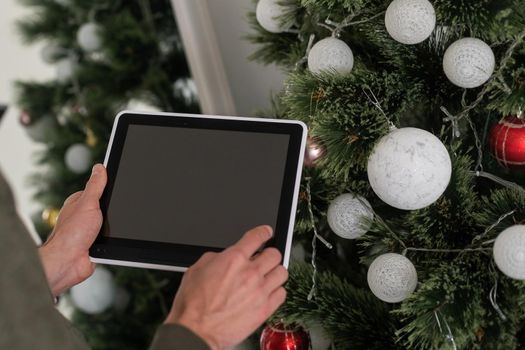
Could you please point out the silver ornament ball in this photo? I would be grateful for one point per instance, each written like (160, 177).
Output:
(269, 15)
(89, 38)
(78, 158)
(509, 252)
(392, 277)
(66, 68)
(409, 168)
(349, 216)
(469, 62)
(330, 55)
(51, 52)
(42, 130)
(96, 294)
(410, 21)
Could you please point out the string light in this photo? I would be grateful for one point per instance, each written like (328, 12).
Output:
(316, 236)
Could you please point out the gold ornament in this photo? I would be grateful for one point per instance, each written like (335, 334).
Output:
(50, 216)
(91, 138)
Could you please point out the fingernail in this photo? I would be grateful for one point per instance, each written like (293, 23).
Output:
(269, 231)
(95, 170)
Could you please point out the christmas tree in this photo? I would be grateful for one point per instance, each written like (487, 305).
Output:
(108, 55)
(412, 199)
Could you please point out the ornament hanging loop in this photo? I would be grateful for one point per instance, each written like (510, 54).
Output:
(375, 102)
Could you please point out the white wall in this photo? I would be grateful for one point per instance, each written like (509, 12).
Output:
(250, 82)
(17, 61)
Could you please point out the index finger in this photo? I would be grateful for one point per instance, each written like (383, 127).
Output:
(253, 240)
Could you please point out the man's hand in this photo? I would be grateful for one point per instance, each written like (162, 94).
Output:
(226, 296)
(65, 255)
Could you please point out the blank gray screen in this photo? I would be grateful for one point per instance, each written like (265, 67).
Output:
(196, 186)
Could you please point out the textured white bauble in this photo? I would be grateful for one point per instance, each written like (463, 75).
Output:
(410, 21)
(51, 52)
(268, 14)
(95, 294)
(409, 168)
(349, 216)
(469, 62)
(330, 55)
(78, 158)
(318, 338)
(88, 37)
(392, 277)
(509, 252)
(65, 69)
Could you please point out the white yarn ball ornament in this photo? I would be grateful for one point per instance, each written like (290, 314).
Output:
(95, 294)
(392, 277)
(66, 68)
(509, 252)
(268, 14)
(78, 158)
(469, 62)
(409, 168)
(318, 338)
(51, 52)
(349, 216)
(410, 21)
(88, 37)
(330, 54)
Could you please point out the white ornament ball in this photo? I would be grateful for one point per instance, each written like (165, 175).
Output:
(95, 294)
(509, 252)
(330, 55)
(410, 21)
(318, 338)
(268, 14)
(78, 158)
(42, 130)
(469, 62)
(51, 52)
(88, 37)
(350, 215)
(409, 168)
(66, 68)
(392, 277)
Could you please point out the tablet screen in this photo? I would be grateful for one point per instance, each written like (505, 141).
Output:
(197, 187)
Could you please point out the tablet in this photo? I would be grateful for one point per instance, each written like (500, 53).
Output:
(180, 185)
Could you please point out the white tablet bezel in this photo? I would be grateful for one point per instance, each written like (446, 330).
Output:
(289, 234)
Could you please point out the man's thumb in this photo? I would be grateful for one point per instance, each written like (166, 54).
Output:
(96, 183)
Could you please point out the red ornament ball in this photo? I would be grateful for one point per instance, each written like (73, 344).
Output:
(280, 337)
(313, 152)
(507, 141)
(25, 119)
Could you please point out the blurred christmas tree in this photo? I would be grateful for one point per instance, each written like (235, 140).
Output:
(108, 55)
(415, 165)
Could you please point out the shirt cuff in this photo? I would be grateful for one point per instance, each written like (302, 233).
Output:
(175, 337)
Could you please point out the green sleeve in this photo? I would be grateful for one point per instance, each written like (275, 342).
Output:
(175, 337)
